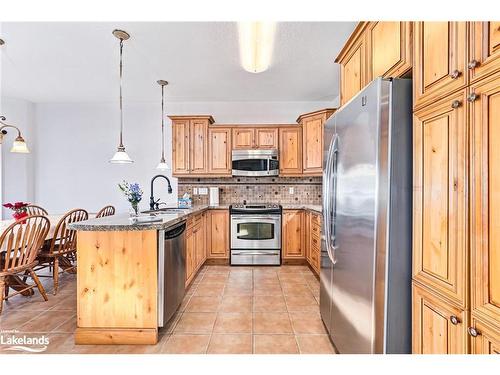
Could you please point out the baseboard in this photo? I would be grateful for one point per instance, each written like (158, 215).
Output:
(114, 336)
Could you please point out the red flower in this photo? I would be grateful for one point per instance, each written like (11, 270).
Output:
(16, 206)
(8, 205)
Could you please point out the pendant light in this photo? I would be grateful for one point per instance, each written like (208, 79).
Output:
(121, 156)
(162, 165)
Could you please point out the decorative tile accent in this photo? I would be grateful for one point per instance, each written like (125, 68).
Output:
(307, 190)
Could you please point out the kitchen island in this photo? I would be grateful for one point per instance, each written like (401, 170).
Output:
(117, 279)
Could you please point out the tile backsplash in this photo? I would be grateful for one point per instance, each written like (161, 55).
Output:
(306, 190)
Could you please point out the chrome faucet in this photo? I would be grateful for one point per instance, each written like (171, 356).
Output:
(152, 203)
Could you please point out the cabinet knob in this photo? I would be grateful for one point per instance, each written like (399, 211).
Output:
(472, 97)
(456, 104)
(473, 332)
(473, 64)
(455, 74)
(454, 320)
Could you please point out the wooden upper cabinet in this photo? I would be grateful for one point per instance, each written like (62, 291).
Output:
(485, 199)
(312, 140)
(438, 327)
(487, 340)
(266, 138)
(352, 69)
(218, 234)
(189, 144)
(180, 146)
(290, 151)
(440, 60)
(293, 236)
(484, 49)
(389, 49)
(243, 138)
(199, 146)
(440, 198)
(219, 151)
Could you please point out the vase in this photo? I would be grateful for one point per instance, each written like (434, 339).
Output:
(20, 216)
(134, 212)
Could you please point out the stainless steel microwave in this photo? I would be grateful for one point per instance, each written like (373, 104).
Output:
(255, 163)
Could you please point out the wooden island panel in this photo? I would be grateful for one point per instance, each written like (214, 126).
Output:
(117, 287)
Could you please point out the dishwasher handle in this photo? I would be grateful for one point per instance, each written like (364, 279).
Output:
(175, 231)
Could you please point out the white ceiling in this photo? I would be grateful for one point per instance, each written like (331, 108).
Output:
(72, 62)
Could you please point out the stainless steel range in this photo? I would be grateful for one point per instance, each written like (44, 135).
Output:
(255, 234)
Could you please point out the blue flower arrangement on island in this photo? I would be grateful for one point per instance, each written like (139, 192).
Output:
(133, 193)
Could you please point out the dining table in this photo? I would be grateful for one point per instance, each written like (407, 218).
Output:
(16, 282)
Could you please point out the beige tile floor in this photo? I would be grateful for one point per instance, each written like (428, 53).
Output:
(227, 310)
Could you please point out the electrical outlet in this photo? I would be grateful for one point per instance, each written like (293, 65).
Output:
(195, 191)
(203, 191)
(291, 190)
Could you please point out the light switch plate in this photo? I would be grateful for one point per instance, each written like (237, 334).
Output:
(291, 190)
(203, 191)
(195, 191)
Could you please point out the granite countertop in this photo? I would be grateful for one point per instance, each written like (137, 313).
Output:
(317, 208)
(124, 222)
(161, 220)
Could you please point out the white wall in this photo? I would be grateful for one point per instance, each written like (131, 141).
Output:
(17, 169)
(75, 141)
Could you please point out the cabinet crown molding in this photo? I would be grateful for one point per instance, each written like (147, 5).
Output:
(192, 117)
(327, 111)
(356, 34)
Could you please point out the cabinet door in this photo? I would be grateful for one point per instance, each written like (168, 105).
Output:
(243, 138)
(199, 146)
(389, 49)
(219, 151)
(353, 72)
(199, 240)
(440, 197)
(312, 140)
(266, 138)
(438, 327)
(290, 151)
(484, 49)
(487, 340)
(180, 147)
(440, 60)
(190, 256)
(293, 235)
(218, 234)
(307, 235)
(485, 199)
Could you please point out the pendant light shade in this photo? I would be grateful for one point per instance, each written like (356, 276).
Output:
(121, 156)
(162, 165)
(20, 146)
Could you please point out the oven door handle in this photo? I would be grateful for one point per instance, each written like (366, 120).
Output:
(261, 218)
(255, 253)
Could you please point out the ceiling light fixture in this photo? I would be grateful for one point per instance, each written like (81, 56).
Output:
(256, 45)
(121, 156)
(163, 164)
(19, 145)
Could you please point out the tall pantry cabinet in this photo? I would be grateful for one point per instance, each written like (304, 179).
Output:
(456, 223)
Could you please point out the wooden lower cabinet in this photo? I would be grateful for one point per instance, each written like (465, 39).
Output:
(438, 327)
(312, 226)
(218, 234)
(292, 240)
(486, 339)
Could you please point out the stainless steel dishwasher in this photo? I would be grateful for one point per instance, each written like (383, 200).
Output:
(171, 270)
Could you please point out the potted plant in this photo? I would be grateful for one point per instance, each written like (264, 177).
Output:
(20, 211)
(133, 193)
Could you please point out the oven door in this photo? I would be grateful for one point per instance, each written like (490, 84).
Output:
(255, 232)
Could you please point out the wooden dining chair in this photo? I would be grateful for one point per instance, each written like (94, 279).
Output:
(33, 209)
(60, 252)
(105, 211)
(21, 241)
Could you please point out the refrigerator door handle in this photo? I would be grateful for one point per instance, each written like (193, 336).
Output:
(327, 197)
(333, 201)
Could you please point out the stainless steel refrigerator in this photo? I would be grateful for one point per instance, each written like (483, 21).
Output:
(365, 295)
